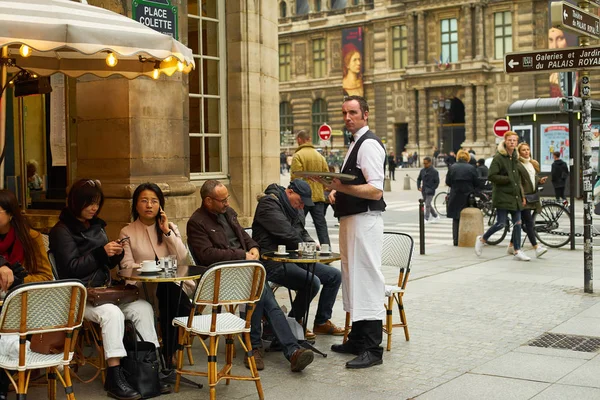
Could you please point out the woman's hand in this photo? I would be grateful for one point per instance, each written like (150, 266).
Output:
(543, 179)
(6, 278)
(163, 221)
(113, 248)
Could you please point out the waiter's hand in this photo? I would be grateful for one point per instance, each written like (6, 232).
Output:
(6, 278)
(331, 197)
(252, 254)
(336, 184)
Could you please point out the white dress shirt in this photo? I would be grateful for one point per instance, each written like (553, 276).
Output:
(369, 160)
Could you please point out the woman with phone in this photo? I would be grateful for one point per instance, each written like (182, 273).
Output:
(83, 251)
(151, 237)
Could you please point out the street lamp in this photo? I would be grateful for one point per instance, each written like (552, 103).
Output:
(441, 106)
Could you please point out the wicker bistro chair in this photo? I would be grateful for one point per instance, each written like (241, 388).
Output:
(224, 284)
(397, 252)
(42, 307)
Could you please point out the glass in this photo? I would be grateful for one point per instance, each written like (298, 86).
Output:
(222, 201)
(173, 263)
(145, 201)
(309, 249)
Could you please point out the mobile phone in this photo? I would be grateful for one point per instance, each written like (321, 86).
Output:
(120, 241)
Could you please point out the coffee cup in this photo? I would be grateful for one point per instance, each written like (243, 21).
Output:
(325, 248)
(148, 265)
(281, 249)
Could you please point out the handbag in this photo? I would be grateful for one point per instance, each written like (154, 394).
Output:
(141, 366)
(532, 198)
(48, 342)
(118, 294)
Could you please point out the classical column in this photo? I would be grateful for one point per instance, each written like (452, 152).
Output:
(411, 34)
(422, 115)
(481, 115)
(470, 131)
(414, 118)
(421, 37)
(479, 32)
(467, 24)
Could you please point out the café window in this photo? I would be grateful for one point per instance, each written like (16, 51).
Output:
(399, 47)
(502, 34)
(449, 40)
(285, 61)
(318, 58)
(208, 123)
(319, 117)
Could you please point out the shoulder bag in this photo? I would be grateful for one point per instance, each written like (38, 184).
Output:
(114, 294)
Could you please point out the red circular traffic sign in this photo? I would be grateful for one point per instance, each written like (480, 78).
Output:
(325, 132)
(501, 126)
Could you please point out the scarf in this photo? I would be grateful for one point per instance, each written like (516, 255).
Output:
(11, 248)
(530, 168)
(290, 211)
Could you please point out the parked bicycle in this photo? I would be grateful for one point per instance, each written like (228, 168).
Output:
(482, 199)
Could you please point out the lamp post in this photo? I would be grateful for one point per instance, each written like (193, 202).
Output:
(441, 106)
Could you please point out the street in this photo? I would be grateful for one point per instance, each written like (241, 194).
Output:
(471, 323)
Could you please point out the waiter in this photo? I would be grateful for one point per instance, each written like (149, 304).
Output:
(359, 204)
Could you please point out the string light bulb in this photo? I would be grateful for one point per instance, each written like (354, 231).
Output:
(25, 50)
(111, 60)
(180, 66)
(156, 71)
(168, 59)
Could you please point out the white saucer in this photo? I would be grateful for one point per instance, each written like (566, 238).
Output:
(150, 271)
(281, 254)
(324, 253)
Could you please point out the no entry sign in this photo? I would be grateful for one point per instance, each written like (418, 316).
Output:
(325, 132)
(501, 126)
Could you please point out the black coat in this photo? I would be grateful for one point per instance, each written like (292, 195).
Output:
(559, 173)
(482, 171)
(79, 250)
(462, 179)
(428, 180)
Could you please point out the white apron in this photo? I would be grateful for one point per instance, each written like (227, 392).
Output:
(363, 285)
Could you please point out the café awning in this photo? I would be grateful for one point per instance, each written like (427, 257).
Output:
(76, 39)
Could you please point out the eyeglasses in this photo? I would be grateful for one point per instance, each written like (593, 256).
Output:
(223, 201)
(153, 202)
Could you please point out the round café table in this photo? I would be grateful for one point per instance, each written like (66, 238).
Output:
(310, 261)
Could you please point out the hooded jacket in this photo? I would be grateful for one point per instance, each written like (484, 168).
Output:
(504, 174)
(559, 173)
(79, 250)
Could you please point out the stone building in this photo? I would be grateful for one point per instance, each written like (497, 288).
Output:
(432, 69)
(220, 122)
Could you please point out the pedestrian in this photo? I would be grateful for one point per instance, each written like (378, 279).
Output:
(415, 157)
(306, 158)
(462, 180)
(530, 179)
(392, 165)
(427, 183)
(559, 174)
(359, 204)
(482, 170)
(288, 161)
(282, 162)
(404, 159)
(436, 153)
(507, 195)
(451, 159)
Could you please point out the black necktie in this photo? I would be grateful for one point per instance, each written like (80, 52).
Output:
(351, 138)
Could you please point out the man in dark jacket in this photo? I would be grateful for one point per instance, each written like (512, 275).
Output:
(450, 159)
(392, 165)
(277, 221)
(507, 195)
(559, 174)
(215, 235)
(427, 183)
(482, 170)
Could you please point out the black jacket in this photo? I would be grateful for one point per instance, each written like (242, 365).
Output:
(559, 173)
(462, 179)
(79, 250)
(482, 172)
(430, 180)
(276, 222)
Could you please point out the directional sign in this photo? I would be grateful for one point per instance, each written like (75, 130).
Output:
(570, 58)
(325, 132)
(567, 16)
(501, 126)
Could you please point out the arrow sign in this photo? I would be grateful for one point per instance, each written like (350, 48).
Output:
(512, 63)
(567, 16)
(567, 59)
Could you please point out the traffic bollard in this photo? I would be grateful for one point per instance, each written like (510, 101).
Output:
(421, 226)
(407, 182)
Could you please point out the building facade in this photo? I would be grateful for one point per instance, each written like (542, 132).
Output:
(432, 70)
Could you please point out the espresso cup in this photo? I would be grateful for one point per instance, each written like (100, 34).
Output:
(148, 265)
(325, 248)
(281, 248)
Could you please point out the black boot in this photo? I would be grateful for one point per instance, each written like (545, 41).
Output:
(117, 387)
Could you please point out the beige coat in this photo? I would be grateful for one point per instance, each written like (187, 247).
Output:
(306, 158)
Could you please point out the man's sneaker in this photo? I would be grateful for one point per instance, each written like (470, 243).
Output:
(510, 250)
(479, 246)
(260, 364)
(433, 220)
(521, 256)
(437, 219)
(328, 328)
(540, 251)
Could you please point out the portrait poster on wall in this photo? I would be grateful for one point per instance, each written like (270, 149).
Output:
(352, 61)
(525, 133)
(558, 39)
(553, 137)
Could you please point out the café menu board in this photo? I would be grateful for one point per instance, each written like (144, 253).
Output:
(159, 15)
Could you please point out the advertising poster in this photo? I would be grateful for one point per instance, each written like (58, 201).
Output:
(352, 61)
(553, 137)
(525, 133)
(558, 39)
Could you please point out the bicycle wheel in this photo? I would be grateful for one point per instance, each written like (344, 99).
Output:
(484, 203)
(552, 225)
(499, 236)
(439, 202)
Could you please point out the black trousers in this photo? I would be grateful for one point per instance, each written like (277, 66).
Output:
(172, 302)
(367, 336)
(559, 193)
(455, 225)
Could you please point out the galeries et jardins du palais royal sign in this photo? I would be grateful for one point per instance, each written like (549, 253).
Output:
(159, 15)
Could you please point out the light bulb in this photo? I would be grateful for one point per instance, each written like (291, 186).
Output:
(25, 50)
(180, 66)
(155, 73)
(168, 59)
(111, 60)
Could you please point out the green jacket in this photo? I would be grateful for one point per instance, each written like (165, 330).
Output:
(504, 174)
(306, 158)
(528, 186)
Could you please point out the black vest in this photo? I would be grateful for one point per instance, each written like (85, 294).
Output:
(346, 204)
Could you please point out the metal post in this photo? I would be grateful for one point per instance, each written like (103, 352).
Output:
(3, 99)
(586, 146)
(421, 226)
(572, 152)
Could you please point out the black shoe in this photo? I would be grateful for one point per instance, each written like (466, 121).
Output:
(344, 349)
(366, 359)
(117, 387)
(165, 388)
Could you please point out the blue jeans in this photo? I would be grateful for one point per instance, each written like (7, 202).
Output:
(293, 276)
(317, 213)
(527, 225)
(501, 216)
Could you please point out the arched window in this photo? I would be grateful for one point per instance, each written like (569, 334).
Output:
(319, 117)
(286, 124)
(282, 9)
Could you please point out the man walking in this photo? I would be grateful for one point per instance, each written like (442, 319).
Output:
(359, 204)
(507, 194)
(427, 183)
(306, 158)
(392, 165)
(559, 174)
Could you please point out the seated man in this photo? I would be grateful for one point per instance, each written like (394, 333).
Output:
(215, 235)
(278, 222)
